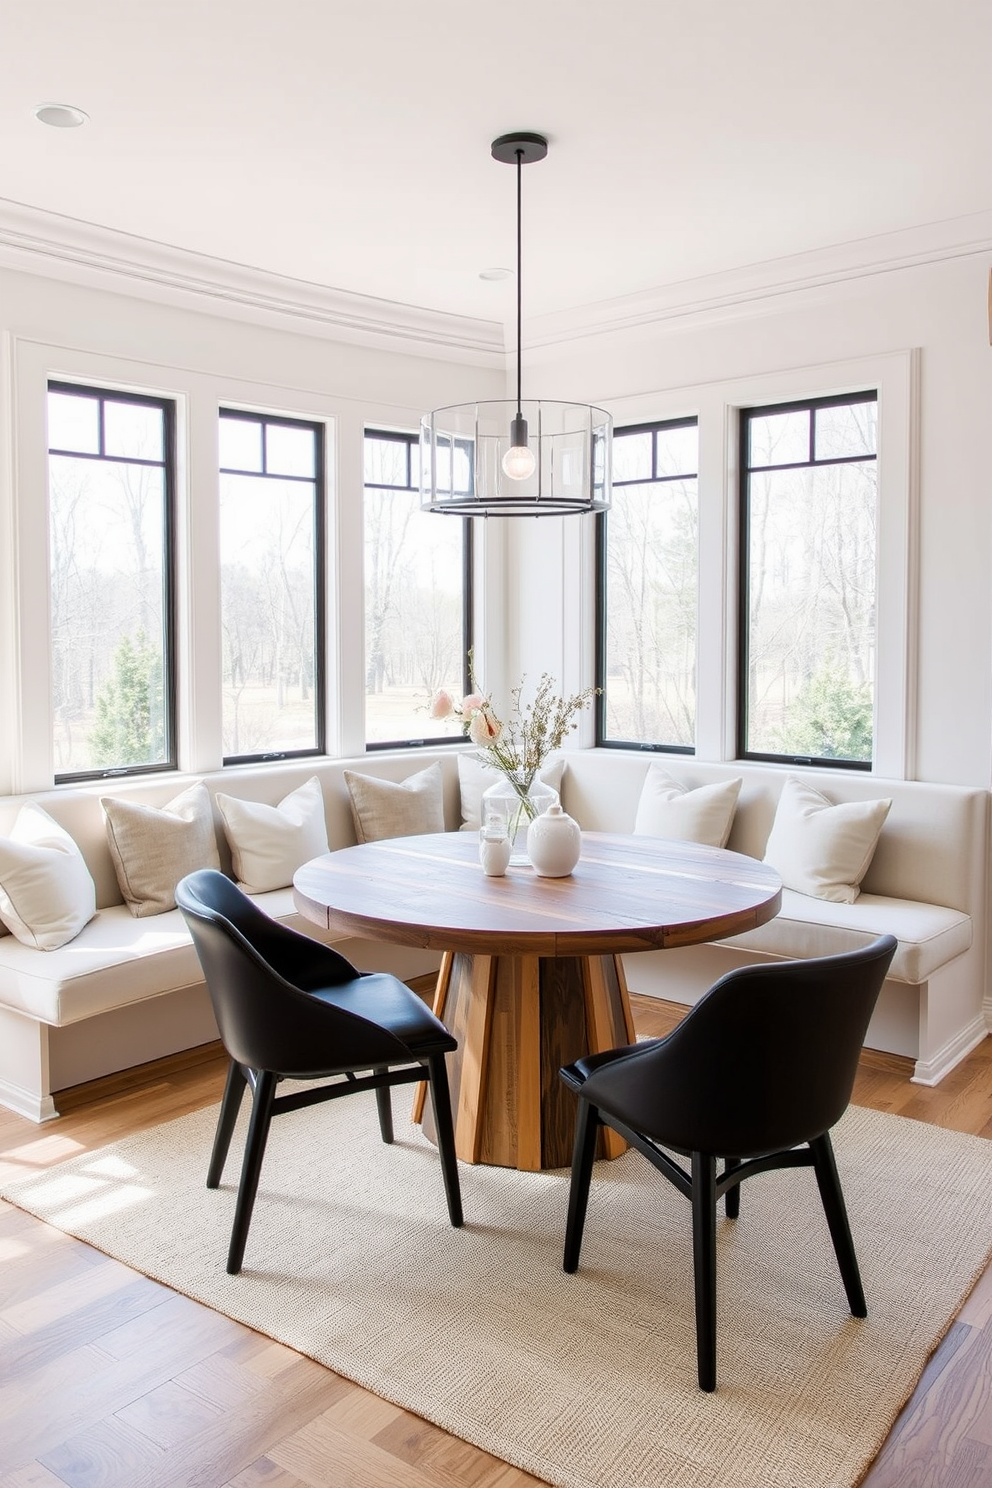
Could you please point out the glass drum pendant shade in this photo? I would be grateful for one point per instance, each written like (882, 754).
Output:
(462, 450)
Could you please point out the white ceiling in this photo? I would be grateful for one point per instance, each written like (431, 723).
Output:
(348, 145)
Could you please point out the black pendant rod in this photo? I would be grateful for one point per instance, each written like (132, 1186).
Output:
(520, 162)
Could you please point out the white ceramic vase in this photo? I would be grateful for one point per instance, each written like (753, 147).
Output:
(554, 843)
(494, 853)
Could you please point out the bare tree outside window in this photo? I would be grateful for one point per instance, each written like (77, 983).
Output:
(271, 501)
(416, 594)
(110, 515)
(648, 567)
(809, 518)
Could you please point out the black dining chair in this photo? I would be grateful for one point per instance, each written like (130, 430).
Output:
(756, 1074)
(289, 1007)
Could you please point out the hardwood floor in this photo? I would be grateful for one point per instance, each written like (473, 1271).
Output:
(109, 1380)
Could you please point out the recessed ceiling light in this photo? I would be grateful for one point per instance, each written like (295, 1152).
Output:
(60, 115)
(495, 273)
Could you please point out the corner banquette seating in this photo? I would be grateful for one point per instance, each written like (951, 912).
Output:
(127, 990)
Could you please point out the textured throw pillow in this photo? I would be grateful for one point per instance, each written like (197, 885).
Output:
(668, 809)
(385, 808)
(269, 843)
(153, 848)
(475, 776)
(46, 892)
(820, 848)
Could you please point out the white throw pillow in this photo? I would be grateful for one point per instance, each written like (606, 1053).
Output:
(475, 776)
(154, 847)
(269, 843)
(668, 809)
(46, 892)
(822, 848)
(389, 808)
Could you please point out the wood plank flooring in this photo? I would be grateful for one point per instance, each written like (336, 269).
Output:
(109, 1380)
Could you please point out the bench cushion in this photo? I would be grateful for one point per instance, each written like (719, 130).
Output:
(116, 960)
(928, 934)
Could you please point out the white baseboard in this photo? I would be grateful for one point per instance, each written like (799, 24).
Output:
(932, 1071)
(27, 1103)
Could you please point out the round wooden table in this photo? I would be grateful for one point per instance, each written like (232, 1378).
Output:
(530, 977)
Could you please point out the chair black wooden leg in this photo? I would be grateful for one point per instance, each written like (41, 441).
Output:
(385, 1105)
(704, 1265)
(583, 1155)
(229, 1108)
(251, 1167)
(840, 1231)
(445, 1132)
(732, 1198)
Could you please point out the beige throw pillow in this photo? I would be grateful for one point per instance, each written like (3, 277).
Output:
(821, 848)
(475, 776)
(668, 809)
(387, 808)
(269, 843)
(153, 848)
(46, 892)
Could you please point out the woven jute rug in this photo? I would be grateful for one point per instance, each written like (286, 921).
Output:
(589, 1380)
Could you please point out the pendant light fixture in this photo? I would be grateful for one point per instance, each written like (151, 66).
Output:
(502, 458)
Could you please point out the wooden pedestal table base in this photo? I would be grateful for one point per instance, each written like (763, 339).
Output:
(531, 976)
(517, 1020)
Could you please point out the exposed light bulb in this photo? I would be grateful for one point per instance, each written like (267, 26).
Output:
(519, 462)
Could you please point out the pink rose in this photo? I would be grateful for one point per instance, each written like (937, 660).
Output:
(441, 705)
(484, 728)
(473, 703)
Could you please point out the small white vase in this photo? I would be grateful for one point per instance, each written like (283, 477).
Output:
(554, 843)
(494, 854)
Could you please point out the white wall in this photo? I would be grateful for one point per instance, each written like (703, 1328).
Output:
(934, 320)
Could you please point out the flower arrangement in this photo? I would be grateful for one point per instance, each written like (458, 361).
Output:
(519, 745)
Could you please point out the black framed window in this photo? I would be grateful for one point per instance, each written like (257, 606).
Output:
(272, 585)
(418, 595)
(111, 491)
(648, 567)
(809, 499)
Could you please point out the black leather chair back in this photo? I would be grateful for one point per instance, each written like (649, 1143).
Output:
(265, 1021)
(765, 1060)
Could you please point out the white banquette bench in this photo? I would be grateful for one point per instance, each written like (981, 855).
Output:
(127, 989)
(926, 884)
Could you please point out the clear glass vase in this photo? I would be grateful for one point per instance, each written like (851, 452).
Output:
(517, 806)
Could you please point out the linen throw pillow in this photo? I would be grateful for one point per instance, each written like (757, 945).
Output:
(823, 848)
(387, 808)
(475, 776)
(668, 809)
(46, 892)
(153, 848)
(269, 843)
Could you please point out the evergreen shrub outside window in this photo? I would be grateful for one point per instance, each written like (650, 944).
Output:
(111, 482)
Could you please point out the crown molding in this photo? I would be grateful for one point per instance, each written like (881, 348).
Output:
(40, 242)
(745, 292)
